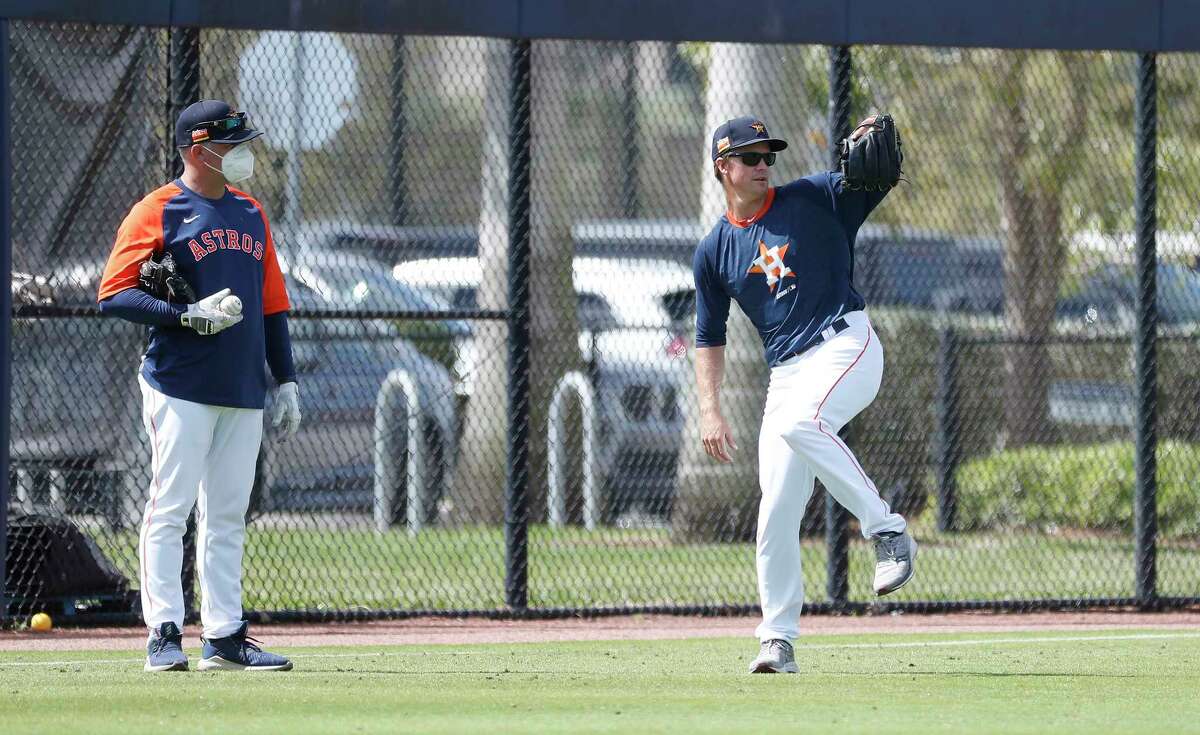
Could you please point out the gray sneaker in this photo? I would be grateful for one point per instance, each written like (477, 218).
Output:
(775, 657)
(895, 561)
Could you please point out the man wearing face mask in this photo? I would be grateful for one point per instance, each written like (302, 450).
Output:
(203, 380)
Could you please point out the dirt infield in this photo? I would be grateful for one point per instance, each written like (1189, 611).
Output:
(636, 627)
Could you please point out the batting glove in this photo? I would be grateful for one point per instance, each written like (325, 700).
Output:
(205, 316)
(287, 410)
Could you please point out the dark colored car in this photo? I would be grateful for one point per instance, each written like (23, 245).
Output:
(73, 374)
(341, 365)
(1108, 297)
(928, 270)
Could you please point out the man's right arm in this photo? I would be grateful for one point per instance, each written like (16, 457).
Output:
(712, 314)
(714, 429)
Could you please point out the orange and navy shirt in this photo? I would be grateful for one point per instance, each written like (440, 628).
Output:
(790, 266)
(216, 243)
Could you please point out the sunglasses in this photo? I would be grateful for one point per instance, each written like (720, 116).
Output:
(235, 122)
(751, 158)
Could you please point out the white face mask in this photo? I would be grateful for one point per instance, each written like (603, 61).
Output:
(236, 165)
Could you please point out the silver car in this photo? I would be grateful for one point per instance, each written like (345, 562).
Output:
(634, 319)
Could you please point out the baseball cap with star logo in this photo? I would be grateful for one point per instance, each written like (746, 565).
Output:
(742, 131)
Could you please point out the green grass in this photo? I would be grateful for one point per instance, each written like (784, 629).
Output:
(1095, 682)
(347, 568)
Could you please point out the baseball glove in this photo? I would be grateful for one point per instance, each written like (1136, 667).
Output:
(871, 157)
(160, 279)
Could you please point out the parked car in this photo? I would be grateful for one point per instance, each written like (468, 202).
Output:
(634, 316)
(649, 238)
(929, 270)
(341, 365)
(1106, 304)
(352, 282)
(387, 244)
(75, 413)
(1107, 298)
(73, 374)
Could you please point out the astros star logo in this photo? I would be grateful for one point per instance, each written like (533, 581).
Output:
(770, 263)
(759, 127)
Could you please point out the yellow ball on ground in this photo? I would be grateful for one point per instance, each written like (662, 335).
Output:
(41, 623)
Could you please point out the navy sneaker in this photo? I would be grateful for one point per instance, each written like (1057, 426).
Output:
(164, 650)
(239, 652)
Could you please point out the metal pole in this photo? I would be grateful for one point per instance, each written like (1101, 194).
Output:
(629, 122)
(184, 71)
(837, 519)
(399, 123)
(516, 511)
(184, 80)
(946, 405)
(1144, 511)
(6, 308)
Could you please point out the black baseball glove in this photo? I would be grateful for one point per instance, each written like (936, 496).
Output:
(871, 156)
(159, 278)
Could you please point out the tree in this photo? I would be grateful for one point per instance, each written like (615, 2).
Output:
(478, 489)
(1037, 153)
(477, 493)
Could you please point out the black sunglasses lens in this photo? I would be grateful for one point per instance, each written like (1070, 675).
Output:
(752, 159)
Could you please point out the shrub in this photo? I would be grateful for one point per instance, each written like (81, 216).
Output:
(1082, 486)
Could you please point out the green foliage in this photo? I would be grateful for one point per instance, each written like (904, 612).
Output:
(1082, 487)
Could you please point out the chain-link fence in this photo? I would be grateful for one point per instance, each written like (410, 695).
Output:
(1001, 278)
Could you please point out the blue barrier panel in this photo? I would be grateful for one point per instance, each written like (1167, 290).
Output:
(1139, 25)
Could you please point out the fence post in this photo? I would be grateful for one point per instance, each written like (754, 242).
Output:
(1145, 510)
(516, 496)
(6, 308)
(946, 446)
(399, 122)
(837, 519)
(184, 80)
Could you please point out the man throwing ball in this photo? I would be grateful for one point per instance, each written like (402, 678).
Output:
(785, 255)
(203, 379)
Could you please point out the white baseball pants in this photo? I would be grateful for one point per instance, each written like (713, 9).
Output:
(202, 456)
(809, 399)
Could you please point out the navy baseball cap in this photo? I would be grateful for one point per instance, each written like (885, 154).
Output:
(213, 121)
(742, 131)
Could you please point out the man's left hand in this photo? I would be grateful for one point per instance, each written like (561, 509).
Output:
(287, 410)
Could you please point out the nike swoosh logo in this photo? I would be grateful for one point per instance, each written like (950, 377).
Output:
(189, 220)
